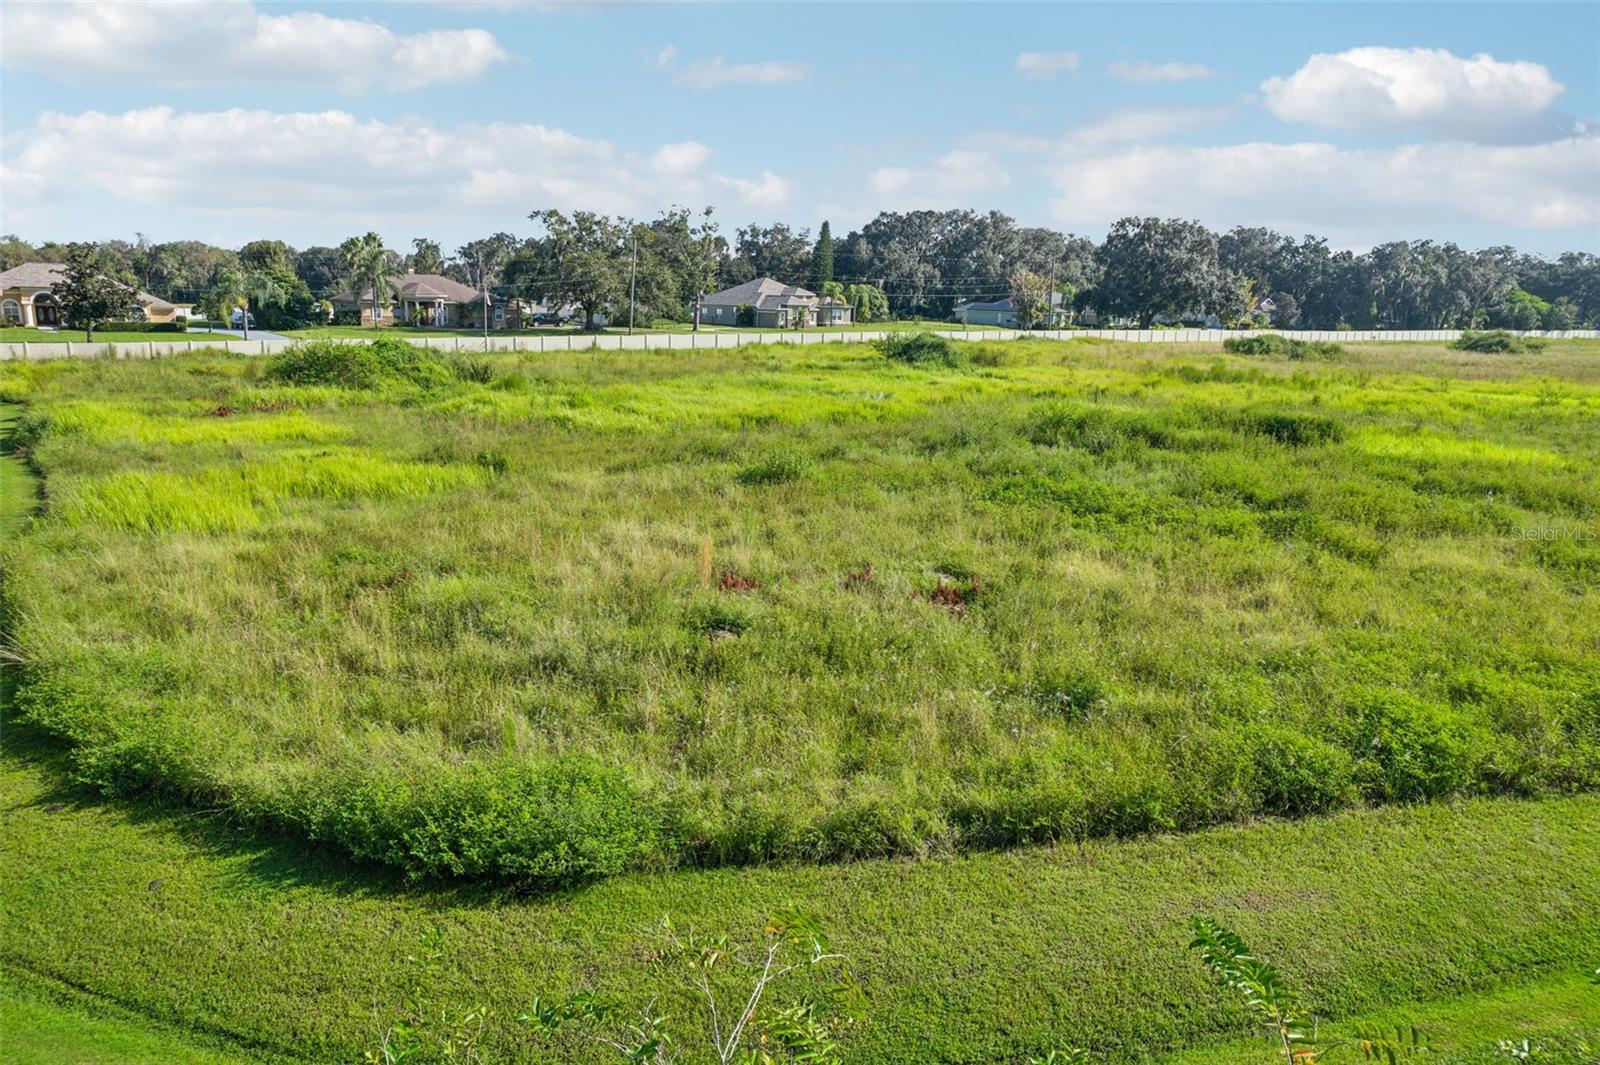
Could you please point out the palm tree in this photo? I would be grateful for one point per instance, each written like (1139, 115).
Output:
(368, 265)
(223, 295)
(259, 289)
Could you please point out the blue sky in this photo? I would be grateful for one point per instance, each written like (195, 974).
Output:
(308, 122)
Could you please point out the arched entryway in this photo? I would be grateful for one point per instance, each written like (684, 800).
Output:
(46, 311)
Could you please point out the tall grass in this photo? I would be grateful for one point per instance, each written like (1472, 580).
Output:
(1048, 592)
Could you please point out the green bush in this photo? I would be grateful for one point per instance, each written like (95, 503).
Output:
(1293, 428)
(477, 371)
(1278, 346)
(774, 469)
(347, 365)
(1097, 429)
(920, 349)
(569, 819)
(1407, 750)
(1296, 774)
(1493, 341)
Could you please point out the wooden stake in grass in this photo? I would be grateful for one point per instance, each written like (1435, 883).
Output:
(705, 561)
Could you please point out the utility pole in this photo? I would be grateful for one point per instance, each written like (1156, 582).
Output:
(1050, 299)
(633, 278)
(483, 283)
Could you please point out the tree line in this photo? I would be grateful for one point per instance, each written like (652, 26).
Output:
(911, 264)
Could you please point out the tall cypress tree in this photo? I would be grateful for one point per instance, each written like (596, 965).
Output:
(822, 259)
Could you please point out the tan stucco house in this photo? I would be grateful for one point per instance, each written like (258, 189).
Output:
(773, 305)
(27, 297)
(421, 299)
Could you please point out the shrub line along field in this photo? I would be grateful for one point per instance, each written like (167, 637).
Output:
(250, 941)
(556, 618)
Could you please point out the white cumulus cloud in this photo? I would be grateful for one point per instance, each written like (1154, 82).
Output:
(1043, 66)
(1141, 72)
(1431, 90)
(1361, 194)
(716, 72)
(263, 165)
(174, 43)
(958, 178)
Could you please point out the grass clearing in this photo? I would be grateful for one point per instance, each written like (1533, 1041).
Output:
(555, 617)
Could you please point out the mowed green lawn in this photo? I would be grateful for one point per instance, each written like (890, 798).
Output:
(554, 618)
(76, 336)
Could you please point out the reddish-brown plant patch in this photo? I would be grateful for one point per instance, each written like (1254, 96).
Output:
(730, 581)
(955, 596)
(859, 578)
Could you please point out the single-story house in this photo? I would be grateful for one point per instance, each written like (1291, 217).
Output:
(422, 299)
(773, 305)
(1003, 313)
(27, 297)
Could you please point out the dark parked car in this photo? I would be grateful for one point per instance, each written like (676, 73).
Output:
(550, 318)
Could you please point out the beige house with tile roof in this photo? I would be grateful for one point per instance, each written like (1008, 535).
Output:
(27, 297)
(420, 299)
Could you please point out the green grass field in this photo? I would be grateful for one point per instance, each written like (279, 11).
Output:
(443, 614)
(552, 618)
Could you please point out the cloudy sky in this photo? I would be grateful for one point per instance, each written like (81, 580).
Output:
(307, 122)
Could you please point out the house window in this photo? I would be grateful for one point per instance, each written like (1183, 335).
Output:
(11, 311)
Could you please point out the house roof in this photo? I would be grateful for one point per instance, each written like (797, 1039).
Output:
(421, 287)
(32, 275)
(1057, 300)
(764, 294)
(994, 305)
(48, 275)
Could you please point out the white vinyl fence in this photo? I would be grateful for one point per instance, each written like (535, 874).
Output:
(159, 345)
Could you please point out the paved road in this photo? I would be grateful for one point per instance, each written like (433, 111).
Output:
(238, 334)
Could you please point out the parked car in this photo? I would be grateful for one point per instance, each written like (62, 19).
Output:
(236, 320)
(550, 318)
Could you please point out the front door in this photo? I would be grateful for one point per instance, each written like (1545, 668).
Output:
(46, 313)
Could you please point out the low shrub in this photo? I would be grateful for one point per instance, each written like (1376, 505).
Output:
(1497, 341)
(920, 349)
(1408, 750)
(1279, 346)
(1096, 429)
(345, 365)
(476, 371)
(1298, 774)
(569, 819)
(774, 469)
(1293, 428)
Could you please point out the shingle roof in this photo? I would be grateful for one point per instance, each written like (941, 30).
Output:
(996, 305)
(765, 294)
(422, 287)
(32, 275)
(48, 275)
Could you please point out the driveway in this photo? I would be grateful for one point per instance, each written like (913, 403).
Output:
(238, 334)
